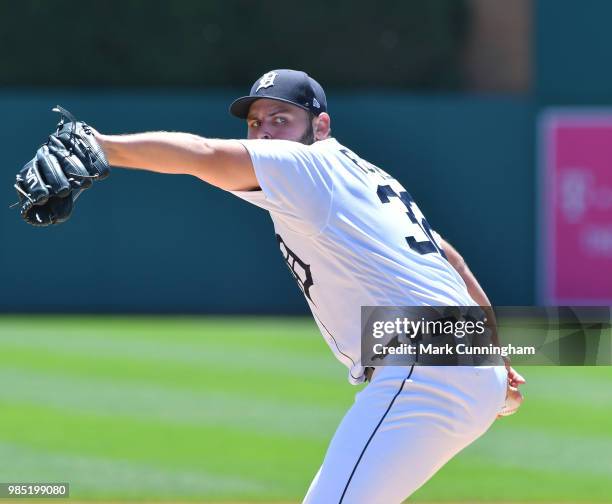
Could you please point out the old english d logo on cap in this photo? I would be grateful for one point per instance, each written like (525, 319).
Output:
(285, 85)
(266, 81)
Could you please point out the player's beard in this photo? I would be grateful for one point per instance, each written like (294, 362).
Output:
(308, 137)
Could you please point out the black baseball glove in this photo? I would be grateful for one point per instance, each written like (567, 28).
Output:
(62, 168)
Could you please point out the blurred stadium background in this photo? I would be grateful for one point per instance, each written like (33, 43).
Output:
(155, 347)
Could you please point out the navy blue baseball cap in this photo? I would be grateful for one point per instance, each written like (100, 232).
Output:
(289, 86)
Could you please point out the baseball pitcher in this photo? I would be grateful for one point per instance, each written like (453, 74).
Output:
(351, 236)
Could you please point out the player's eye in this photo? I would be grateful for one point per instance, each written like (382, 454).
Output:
(254, 124)
(280, 120)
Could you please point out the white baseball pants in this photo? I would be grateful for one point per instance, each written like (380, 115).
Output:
(403, 427)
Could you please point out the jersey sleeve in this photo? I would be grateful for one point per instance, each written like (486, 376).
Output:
(295, 181)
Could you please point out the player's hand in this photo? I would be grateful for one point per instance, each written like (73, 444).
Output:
(49, 184)
(514, 378)
(514, 398)
(79, 140)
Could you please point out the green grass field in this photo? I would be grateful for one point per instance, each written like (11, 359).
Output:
(226, 409)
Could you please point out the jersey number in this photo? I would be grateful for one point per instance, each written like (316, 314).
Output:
(420, 239)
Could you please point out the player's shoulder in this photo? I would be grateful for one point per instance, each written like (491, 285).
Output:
(281, 150)
(277, 144)
(331, 149)
(328, 145)
(291, 151)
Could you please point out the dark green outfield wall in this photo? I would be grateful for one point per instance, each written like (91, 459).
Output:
(141, 242)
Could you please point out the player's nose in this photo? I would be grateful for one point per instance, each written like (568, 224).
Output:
(263, 135)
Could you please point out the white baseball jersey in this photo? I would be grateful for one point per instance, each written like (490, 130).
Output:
(352, 237)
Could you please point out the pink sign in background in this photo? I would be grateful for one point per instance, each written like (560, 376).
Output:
(576, 188)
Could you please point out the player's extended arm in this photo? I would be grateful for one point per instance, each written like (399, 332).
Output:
(222, 163)
(478, 295)
(474, 289)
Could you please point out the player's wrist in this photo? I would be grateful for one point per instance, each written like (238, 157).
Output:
(108, 144)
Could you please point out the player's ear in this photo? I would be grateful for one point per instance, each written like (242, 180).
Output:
(322, 126)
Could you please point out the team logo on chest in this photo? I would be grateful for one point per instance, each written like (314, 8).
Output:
(266, 81)
(299, 269)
